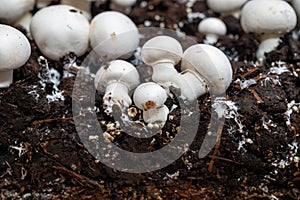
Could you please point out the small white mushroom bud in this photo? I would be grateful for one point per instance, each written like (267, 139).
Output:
(226, 7)
(83, 5)
(12, 10)
(205, 68)
(162, 53)
(122, 5)
(212, 27)
(268, 20)
(150, 97)
(118, 78)
(15, 50)
(113, 35)
(59, 30)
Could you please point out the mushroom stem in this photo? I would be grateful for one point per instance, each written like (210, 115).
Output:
(267, 44)
(191, 85)
(163, 73)
(6, 78)
(210, 38)
(117, 92)
(159, 114)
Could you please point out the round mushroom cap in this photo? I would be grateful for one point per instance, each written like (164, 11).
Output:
(117, 71)
(268, 17)
(12, 10)
(15, 48)
(225, 6)
(211, 64)
(212, 25)
(149, 95)
(59, 30)
(161, 49)
(113, 35)
(123, 3)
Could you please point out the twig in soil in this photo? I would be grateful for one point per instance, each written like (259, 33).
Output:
(50, 120)
(249, 72)
(217, 146)
(225, 159)
(256, 96)
(82, 179)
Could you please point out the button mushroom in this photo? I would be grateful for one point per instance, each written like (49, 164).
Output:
(59, 30)
(162, 53)
(118, 79)
(15, 50)
(226, 7)
(205, 68)
(212, 27)
(113, 35)
(150, 97)
(268, 20)
(122, 6)
(12, 10)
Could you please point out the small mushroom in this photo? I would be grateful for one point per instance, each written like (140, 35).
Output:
(162, 53)
(226, 7)
(15, 50)
(83, 5)
(212, 27)
(122, 5)
(59, 30)
(12, 10)
(150, 97)
(268, 20)
(118, 79)
(42, 3)
(205, 68)
(113, 35)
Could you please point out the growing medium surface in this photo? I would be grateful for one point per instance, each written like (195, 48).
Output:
(42, 157)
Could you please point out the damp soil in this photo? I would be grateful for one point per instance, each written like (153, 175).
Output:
(42, 155)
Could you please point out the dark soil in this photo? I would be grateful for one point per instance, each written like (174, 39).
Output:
(42, 157)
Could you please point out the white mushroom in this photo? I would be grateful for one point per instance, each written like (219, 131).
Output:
(162, 53)
(24, 22)
(12, 10)
(268, 20)
(205, 68)
(118, 78)
(212, 27)
(113, 35)
(83, 5)
(42, 3)
(296, 6)
(15, 50)
(59, 30)
(122, 5)
(150, 97)
(226, 7)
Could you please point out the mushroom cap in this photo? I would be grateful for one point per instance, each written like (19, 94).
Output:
(117, 71)
(83, 5)
(224, 6)
(161, 49)
(211, 64)
(268, 17)
(59, 30)
(149, 95)
(15, 48)
(113, 35)
(296, 6)
(212, 25)
(12, 10)
(125, 3)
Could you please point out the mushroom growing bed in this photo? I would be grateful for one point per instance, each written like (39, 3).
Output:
(43, 157)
